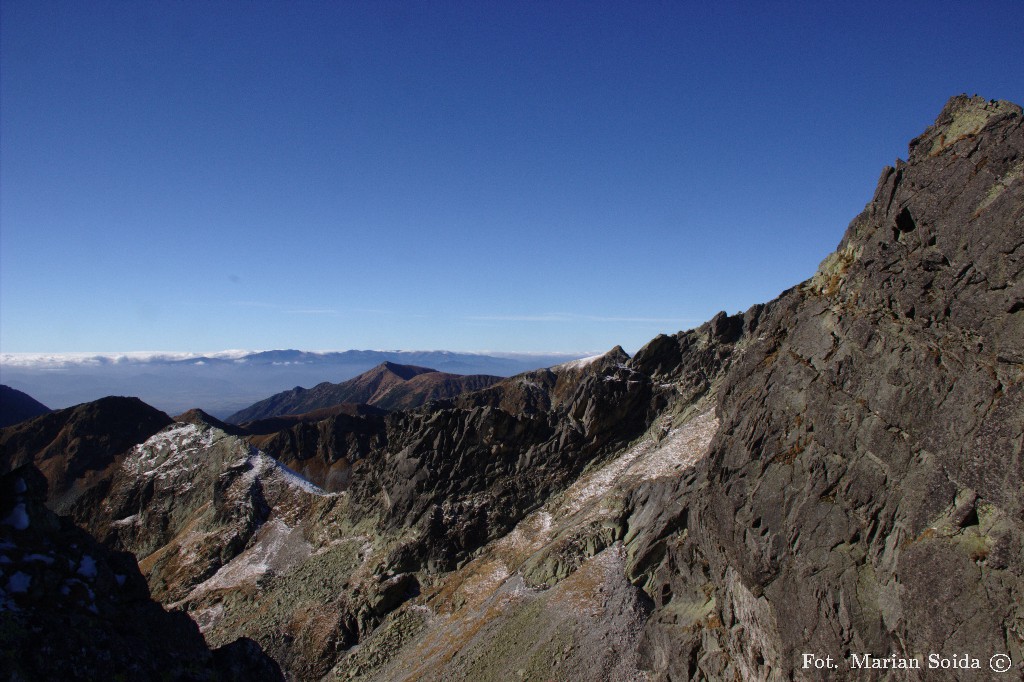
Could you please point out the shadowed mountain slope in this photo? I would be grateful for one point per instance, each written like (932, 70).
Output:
(75, 447)
(71, 609)
(16, 406)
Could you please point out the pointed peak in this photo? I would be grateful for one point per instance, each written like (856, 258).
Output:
(617, 354)
(201, 418)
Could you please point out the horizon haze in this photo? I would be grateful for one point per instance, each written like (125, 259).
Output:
(223, 383)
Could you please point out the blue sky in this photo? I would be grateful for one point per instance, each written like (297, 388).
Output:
(525, 176)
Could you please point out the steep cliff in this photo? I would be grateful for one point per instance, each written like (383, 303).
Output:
(864, 491)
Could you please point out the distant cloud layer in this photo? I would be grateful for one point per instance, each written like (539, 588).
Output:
(56, 360)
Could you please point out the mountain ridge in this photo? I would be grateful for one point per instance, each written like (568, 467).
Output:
(836, 470)
(388, 385)
(224, 383)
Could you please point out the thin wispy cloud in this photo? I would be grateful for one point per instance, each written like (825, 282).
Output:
(311, 311)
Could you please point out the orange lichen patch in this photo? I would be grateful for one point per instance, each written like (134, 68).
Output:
(769, 359)
(316, 624)
(791, 453)
(479, 585)
(832, 272)
(926, 534)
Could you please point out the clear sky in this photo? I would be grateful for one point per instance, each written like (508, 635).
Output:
(514, 176)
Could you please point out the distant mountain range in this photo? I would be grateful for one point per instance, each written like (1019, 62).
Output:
(226, 382)
(388, 385)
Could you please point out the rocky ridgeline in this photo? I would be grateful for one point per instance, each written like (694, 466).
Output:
(389, 386)
(863, 493)
(836, 471)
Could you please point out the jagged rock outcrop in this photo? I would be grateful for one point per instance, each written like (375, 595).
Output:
(70, 609)
(322, 445)
(465, 474)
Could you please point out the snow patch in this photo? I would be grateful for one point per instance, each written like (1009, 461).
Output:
(680, 449)
(179, 450)
(208, 617)
(126, 521)
(87, 568)
(269, 469)
(170, 452)
(484, 582)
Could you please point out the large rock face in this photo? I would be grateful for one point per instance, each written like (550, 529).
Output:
(864, 492)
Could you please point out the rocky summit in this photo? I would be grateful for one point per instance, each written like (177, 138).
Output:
(815, 488)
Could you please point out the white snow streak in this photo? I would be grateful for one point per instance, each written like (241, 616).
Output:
(578, 364)
(646, 460)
